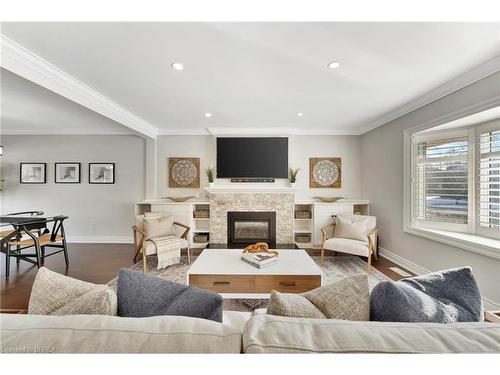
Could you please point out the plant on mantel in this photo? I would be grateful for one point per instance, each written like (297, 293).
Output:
(210, 172)
(292, 175)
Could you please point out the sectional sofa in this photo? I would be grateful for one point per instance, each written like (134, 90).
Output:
(240, 332)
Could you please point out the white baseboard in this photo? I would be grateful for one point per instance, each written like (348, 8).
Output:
(400, 261)
(418, 270)
(100, 239)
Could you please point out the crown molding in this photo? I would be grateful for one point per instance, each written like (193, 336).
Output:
(277, 131)
(482, 71)
(26, 64)
(58, 132)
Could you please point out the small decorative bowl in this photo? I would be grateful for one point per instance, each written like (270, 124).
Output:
(329, 199)
(178, 199)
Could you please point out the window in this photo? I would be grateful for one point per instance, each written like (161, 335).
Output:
(489, 183)
(455, 180)
(442, 181)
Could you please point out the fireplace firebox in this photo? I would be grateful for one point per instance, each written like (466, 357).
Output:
(245, 228)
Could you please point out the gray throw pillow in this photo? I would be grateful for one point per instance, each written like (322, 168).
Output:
(140, 295)
(440, 297)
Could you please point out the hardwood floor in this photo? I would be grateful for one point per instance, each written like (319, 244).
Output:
(95, 263)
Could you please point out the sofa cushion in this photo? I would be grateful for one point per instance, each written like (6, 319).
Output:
(140, 295)
(442, 297)
(277, 334)
(113, 334)
(56, 294)
(348, 298)
(157, 226)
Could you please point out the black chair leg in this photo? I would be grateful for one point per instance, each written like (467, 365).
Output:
(65, 247)
(7, 262)
(18, 260)
(43, 256)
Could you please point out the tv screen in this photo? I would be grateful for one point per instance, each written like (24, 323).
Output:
(252, 157)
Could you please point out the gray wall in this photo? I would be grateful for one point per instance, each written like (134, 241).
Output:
(382, 181)
(301, 149)
(109, 207)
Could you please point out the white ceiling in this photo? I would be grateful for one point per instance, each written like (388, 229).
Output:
(259, 75)
(29, 108)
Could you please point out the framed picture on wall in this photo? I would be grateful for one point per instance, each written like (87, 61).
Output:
(33, 173)
(67, 173)
(102, 173)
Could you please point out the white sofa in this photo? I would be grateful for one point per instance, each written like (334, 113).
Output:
(240, 332)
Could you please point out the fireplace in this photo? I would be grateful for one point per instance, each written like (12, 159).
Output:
(245, 228)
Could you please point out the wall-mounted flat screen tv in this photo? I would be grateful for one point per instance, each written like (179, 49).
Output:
(252, 157)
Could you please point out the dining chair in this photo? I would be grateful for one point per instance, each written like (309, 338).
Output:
(32, 232)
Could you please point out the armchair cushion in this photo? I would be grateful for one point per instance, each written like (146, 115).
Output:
(159, 226)
(151, 248)
(346, 245)
(355, 227)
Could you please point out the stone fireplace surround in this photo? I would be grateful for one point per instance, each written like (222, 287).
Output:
(280, 201)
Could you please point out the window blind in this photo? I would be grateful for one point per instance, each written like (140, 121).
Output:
(489, 180)
(441, 180)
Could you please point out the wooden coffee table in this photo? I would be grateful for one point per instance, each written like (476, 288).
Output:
(222, 271)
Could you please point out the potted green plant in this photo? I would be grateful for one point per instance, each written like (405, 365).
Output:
(292, 175)
(210, 172)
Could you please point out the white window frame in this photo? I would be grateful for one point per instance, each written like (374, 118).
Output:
(487, 127)
(471, 240)
(425, 137)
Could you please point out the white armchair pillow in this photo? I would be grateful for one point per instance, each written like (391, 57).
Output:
(355, 227)
(159, 226)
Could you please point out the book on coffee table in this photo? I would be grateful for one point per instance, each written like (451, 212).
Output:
(260, 260)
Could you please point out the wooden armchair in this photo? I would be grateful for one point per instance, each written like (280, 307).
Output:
(144, 245)
(366, 248)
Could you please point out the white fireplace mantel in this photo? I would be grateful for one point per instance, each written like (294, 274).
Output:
(250, 188)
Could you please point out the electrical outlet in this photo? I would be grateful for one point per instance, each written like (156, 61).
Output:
(92, 227)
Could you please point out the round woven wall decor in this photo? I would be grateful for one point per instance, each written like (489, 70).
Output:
(325, 172)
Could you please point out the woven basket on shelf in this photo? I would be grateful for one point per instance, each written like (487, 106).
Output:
(302, 238)
(200, 238)
(201, 214)
(302, 214)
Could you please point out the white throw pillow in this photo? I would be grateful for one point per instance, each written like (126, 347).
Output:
(159, 226)
(355, 229)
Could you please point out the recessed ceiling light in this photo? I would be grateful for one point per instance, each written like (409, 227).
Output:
(177, 66)
(334, 65)
(208, 114)
(300, 114)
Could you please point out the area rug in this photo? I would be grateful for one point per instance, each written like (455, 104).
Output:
(334, 268)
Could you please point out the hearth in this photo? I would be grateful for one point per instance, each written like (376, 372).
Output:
(248, 227)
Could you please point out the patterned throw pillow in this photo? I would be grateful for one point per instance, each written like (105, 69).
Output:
(56, 294)
(347, 299)
(293, 305)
